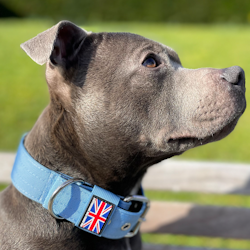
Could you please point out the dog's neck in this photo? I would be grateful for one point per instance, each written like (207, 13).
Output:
(56, 146)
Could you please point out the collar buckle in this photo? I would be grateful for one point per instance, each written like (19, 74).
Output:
(142, 199)
(58, 190)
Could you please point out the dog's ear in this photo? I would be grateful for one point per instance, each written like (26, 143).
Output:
(60, 44)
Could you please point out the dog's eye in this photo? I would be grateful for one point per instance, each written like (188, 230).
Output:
(150, 62)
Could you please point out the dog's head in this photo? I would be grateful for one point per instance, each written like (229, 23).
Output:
(131, 95)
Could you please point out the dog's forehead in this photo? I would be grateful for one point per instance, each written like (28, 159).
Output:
(129, 43)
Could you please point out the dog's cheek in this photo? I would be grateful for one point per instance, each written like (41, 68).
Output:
(59, 89)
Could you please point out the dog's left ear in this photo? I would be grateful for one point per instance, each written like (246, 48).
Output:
(59, 44)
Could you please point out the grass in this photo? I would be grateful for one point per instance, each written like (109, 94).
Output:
(23, 90)
(200, 198)
(23, 93)
(3, 186)
(192, 241)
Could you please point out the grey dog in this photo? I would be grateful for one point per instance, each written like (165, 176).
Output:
(119, 103)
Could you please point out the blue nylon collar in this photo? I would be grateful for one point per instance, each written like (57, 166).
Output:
(92, 209)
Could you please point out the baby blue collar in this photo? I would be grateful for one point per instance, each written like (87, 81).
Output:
(91, 208)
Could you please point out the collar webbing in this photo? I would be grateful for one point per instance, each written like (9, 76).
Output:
(90, 208)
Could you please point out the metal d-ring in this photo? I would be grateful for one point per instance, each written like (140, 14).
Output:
(57, 191)
(142, 199)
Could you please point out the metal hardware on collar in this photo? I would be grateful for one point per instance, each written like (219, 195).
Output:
(57, 191)
(136, 198)
(126, 226)
(142, 218)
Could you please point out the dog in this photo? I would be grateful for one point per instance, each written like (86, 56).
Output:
(119, 103)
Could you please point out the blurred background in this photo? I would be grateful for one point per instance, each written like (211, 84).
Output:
(207, 33)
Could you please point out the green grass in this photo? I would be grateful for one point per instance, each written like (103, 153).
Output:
(200, 198)
(23, 93)
(192, 241)
(23, 90)
(3, 186)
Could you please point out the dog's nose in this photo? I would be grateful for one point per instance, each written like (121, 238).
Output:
(234, 75)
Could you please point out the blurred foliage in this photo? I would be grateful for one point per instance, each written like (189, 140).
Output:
(204, 11)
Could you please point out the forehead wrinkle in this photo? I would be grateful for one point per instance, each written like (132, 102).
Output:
(150, 48)
(141, 44)
(173, 55)
(133, 44)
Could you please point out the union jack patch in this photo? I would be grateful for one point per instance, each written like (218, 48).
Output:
(97, 215)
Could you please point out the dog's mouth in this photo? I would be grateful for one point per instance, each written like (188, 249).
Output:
(177, 143)
(186, 142)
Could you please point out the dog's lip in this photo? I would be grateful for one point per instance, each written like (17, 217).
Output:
(181, 136)
(182, 140)
(196, 141)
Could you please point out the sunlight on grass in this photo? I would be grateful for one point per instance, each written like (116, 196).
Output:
(3, 186)
(192, 241)
(200, 198)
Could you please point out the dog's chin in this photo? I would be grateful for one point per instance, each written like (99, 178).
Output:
(184, 143)
(179, 145)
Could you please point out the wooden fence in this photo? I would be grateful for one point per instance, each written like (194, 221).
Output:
(183, 218)
(190, 219)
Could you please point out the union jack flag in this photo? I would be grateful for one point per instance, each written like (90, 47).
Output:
(96, 215)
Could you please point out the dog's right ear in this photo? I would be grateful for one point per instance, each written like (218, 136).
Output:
(60, 44)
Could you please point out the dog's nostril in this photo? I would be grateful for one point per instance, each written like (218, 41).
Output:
(234, 75)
